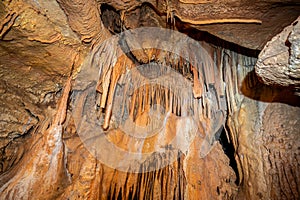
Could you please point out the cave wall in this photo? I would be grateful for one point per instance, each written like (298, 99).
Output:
(44, 157)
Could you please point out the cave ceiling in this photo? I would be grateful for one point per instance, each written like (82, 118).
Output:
(50, 35)
(247, 23)
(251, 83)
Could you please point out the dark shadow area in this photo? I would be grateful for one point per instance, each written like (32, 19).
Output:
(229, 150)
(111, 19)
(254, 89)
(198, 35)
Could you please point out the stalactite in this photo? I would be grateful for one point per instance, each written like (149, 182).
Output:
(157, 104)
(197, 89)
(174, 88)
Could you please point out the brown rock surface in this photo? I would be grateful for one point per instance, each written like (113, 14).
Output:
(54, 114)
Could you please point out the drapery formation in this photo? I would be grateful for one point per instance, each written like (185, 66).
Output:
(84, 123)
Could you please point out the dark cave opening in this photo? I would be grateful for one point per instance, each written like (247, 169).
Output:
(111, 19)
(229, 150)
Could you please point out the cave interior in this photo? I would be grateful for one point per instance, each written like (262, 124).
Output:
(144, 99)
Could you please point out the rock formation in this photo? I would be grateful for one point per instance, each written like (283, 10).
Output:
(172, 99)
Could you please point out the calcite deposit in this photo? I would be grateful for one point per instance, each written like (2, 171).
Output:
(172, 99)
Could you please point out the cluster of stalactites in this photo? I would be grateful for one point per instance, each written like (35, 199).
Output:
(179, 85)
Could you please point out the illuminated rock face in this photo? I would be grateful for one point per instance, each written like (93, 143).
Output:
(92, 111)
